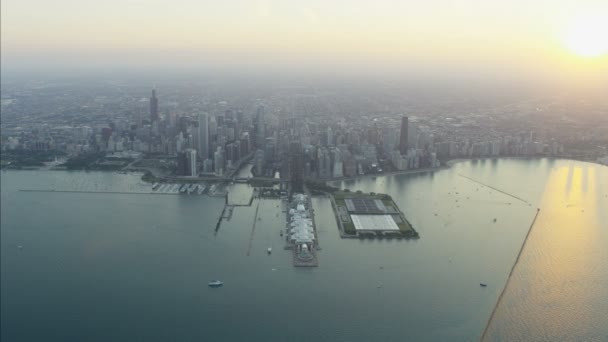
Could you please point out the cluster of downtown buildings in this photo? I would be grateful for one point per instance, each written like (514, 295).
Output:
(276, 142)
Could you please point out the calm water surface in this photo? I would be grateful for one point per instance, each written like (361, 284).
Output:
(135, 267)
(559, 290)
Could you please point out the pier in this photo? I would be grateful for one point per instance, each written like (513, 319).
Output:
(301, 234)
(228, 209)
(255, 221)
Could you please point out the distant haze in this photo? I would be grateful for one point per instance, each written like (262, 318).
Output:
(516, 39)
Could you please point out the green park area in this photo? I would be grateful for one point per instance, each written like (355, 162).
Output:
(367, 204)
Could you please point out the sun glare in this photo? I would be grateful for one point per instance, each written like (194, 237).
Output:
(588, 36)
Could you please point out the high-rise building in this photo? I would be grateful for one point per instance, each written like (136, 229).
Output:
(245, 144)
(192, 167)
(203, 135)
(260, 127)
(296, 166)
(182, 164)
(403, 136)
(208, 166)
(153, 107)
(218, 161)
(258, 162)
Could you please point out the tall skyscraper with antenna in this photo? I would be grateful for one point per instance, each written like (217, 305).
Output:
(153, 107)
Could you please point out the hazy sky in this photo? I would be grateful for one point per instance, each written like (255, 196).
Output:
(522, 37)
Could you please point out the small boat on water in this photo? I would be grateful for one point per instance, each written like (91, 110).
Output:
(190, 188)
(215, 283)
(269, 250)
(483, 284)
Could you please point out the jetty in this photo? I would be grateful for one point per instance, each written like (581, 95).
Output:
(255, 221)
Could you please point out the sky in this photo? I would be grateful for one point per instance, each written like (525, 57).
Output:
(524, 39)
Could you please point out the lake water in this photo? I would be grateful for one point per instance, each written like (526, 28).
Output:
(135, 267)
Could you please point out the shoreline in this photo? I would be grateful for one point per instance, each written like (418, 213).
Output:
(447, 165)
(451, 162)
(392, 173)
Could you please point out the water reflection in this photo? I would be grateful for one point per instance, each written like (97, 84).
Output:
(559, 287)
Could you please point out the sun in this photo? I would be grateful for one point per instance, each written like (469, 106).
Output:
(587, 36)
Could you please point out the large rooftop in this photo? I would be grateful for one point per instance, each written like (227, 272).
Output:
(365, 205)
(374, 222)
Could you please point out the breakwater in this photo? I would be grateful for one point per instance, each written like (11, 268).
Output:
(485, 330)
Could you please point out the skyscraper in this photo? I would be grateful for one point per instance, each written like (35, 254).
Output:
(182, 164)
(260, 127)
(296, 166)
(218, 161)
(153, 107)
(192, 167)
(403, 136)
(203, 135)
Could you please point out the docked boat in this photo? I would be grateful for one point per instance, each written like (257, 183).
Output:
(269, 250)
(192, 188)
(201, 188)
(215, 283)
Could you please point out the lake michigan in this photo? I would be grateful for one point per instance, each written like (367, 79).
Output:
(135, 267)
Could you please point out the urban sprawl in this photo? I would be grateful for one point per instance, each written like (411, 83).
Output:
(292, 133)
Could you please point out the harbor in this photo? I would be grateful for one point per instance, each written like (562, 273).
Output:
(155, 189)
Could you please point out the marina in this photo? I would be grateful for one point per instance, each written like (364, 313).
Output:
(155, 189)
